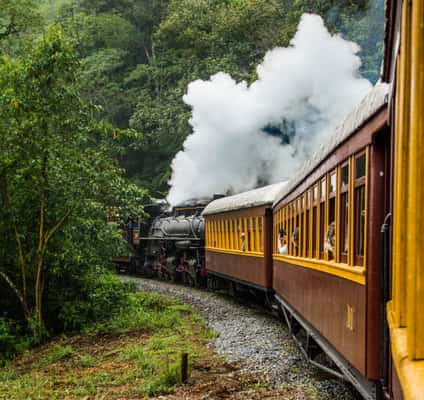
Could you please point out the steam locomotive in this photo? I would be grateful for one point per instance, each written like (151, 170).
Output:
(169, 244)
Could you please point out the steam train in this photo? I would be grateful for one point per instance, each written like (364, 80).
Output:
(170, 244)
(338, 249)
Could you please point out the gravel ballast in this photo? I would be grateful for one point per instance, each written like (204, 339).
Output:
(257, 341)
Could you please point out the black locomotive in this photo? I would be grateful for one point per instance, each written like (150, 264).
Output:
(169, 244)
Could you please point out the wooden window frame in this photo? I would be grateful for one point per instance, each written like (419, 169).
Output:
(322, 210)
(341, 256)
(357, 259)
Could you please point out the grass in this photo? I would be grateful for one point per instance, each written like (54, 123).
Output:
(135, 354)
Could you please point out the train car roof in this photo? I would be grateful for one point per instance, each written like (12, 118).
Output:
(253, 198)
(369, 106)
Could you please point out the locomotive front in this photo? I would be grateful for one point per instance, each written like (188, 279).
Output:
(174, 249)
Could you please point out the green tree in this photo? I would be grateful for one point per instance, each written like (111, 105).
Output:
(56, 163)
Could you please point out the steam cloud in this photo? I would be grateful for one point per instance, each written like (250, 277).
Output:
(303, 91)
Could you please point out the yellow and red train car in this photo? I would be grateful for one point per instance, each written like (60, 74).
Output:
(328, 282)
(350, 279)
(239, 238)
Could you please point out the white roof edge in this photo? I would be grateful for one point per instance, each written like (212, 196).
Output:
(252, 198)
(369, 106)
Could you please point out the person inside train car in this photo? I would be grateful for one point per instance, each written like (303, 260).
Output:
(282, 242)
(295, 239)
(329, 240)
(243, 241)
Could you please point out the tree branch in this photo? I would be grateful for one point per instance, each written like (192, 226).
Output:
(18, 294)
(58, 225)
(21, 260)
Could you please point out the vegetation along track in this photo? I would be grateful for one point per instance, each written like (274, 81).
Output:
(257, 341)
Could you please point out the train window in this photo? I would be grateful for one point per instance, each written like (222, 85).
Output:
(306, 225)
(333, 183)
(297, 230)
(213, 243)
(322, 218)
(359, 224)
(238, 233)
(256, 237)
(252, 234)
(218, 237)
(247, 227)
(359, 209)
(296, 224)
(344, 214)
(345, 175)
(314, 220)
(360, 166)
(331, 217)
(323, 189)
(221, 230)
(235, 235)
(227, 234)
(224, 234)
(261, 246)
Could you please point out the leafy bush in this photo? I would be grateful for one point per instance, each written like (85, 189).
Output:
(11, 342)
(100, 299)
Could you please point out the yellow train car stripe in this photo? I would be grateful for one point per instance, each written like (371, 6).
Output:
(354, 274)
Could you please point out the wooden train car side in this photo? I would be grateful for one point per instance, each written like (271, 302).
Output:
(334, 283)
(239, 238)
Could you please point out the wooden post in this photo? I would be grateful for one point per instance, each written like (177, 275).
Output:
(184, 367)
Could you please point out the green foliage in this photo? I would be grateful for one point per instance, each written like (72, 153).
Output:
(143, 311)
(11, 342)
(163, 382)
(87, 361)
(59, 179)
(16, 18)
(145, 363)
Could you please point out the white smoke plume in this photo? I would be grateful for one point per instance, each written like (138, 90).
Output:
(305, 90)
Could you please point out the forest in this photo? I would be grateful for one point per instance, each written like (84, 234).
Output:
(91, 116)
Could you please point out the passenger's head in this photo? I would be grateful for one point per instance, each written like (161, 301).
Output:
(331, 229)
(282, 233)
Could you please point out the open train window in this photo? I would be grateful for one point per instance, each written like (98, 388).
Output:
(307, 222)
(260, 227)
(248, 235)
(332, 212)
(314, 220)
(360, 208)
(344, 213)
(322, 217)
